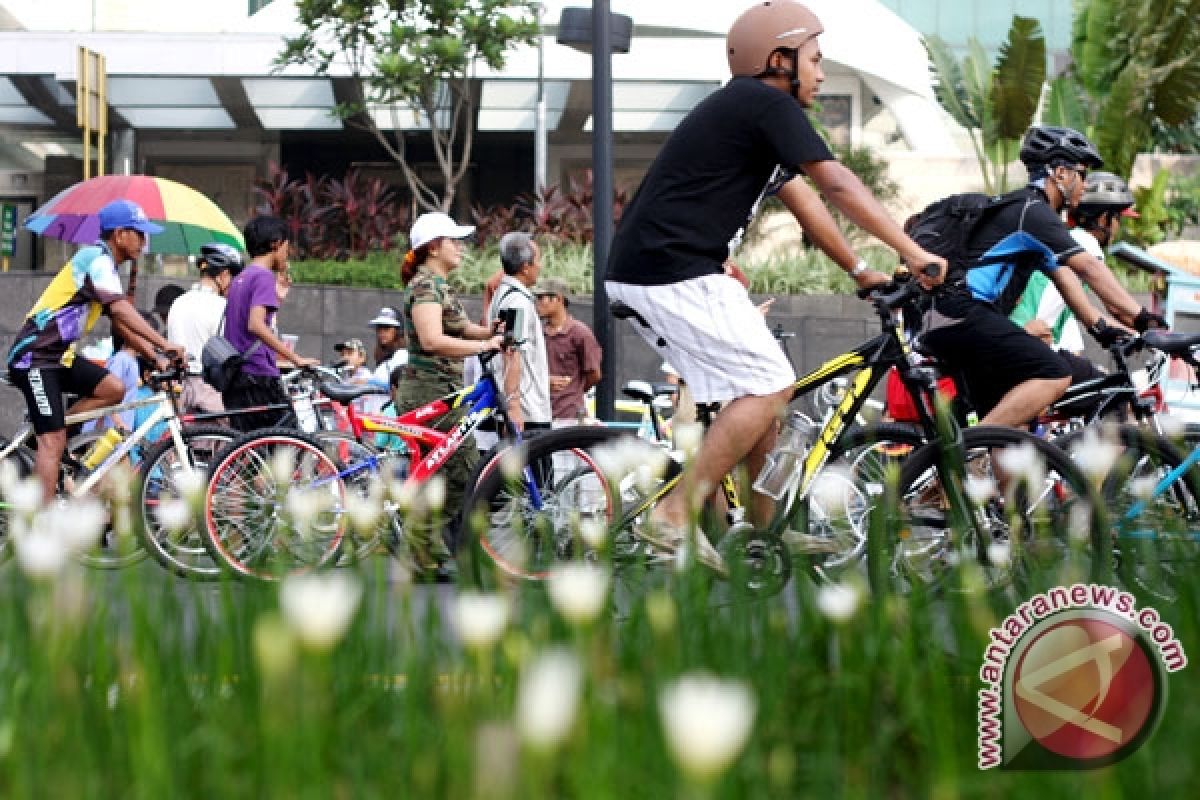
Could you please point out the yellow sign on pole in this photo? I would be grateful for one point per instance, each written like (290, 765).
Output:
(91, 107)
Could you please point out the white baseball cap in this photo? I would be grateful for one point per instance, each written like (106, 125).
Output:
(436, 225)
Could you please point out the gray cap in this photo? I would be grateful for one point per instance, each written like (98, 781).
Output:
(387, 317)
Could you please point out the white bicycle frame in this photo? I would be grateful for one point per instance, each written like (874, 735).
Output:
(165, 412)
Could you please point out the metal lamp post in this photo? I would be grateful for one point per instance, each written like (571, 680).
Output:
(576, 29)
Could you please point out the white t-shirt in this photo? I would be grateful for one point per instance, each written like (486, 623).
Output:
(194, 318)
(535, 372)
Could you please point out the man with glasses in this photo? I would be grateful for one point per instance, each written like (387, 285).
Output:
(43, 362)
(572, 351)
(1011, 375)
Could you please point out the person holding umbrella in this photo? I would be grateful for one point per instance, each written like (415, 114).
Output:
(42, 362)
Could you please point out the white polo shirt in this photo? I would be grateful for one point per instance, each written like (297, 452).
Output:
(194, 318)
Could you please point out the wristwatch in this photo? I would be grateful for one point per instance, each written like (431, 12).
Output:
(859, 268)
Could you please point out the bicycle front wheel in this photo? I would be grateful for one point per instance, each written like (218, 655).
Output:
(1008, 505)
(178, 549)
(274, 506)
(116, 549)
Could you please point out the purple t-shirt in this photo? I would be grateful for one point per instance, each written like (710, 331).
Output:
(254, 287)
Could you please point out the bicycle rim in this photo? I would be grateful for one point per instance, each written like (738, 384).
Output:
(274, 506)
(181, 550)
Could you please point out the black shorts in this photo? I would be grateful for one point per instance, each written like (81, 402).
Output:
(43, 388)
(990, 352)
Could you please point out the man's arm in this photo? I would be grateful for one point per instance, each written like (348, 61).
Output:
(138, 333)
(820, 226)
(1096, 274)
(258, 328)
(843, 188)
(1074, 296)
(591, 357)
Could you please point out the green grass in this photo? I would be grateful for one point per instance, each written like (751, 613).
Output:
(147, 686)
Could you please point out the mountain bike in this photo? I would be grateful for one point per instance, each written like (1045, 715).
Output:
(832, 541)
(158, 470)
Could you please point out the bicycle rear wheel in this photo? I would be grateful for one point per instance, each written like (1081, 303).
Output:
(22, 461)
(274, 506)
(1026, 523)
(524, 535)
(178, 550)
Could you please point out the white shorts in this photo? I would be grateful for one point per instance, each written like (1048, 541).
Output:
(715, 336)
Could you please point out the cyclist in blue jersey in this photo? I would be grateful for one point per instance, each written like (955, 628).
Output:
(1009, 374)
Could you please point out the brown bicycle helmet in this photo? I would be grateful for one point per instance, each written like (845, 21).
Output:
(765, 27)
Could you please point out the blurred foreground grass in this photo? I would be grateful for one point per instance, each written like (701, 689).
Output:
(137, 684)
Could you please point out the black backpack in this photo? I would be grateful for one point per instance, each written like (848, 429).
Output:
(945, 227)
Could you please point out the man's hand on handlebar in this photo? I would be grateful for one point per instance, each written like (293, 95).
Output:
(300, 362)
(1147, 319)
(871, 279)
(929, 269)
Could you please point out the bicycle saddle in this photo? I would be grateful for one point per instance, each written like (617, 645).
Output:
(345, 392)
(641, 391)
(622, 311)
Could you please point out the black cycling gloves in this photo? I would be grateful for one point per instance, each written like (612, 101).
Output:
(1107, 335)
(1147, 319)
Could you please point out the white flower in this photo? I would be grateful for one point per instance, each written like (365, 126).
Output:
(480, 619)
(707, 721)
(283, 466)
(302, 506)
(833, 490)
(1021, 461)
(578, 591)
(838, 601)
(403, 494)
(1095, 455)
(1142, 487)
(1079, 523)
(25, 497)
(594, 532)
(511, 464)
(999, 554)
(363, 511)
(547, 698)
(9, 474)
(41, 554)
(620, 457)
(173, 514)
(319, 607)
(688, 437)
(189, 483)
(435, 492)
(980, 489)
(649, 472)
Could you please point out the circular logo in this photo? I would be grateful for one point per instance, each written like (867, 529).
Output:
(1085, 688)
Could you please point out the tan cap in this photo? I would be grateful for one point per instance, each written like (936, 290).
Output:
(553, 286)
(764, 28)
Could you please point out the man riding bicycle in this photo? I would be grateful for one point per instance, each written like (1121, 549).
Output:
(1010, 375)
(43, 362)
(674, 237)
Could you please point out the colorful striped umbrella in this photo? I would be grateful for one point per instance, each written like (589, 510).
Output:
(189, 219)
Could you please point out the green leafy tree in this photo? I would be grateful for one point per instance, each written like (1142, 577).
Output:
(995, 104)
(416, 58)
(1134, 78)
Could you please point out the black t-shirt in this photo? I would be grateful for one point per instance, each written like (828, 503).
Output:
(1030, 213)
(699, 191)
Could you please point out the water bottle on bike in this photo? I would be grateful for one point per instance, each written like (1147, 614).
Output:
(780, 471)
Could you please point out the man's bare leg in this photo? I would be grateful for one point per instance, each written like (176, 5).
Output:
(1025, 401)
(51, 445)
(745, 427)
